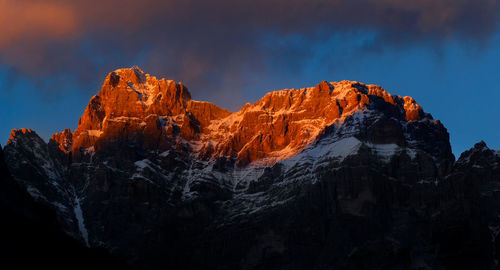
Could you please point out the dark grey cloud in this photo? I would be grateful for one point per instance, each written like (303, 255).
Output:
(216, 45)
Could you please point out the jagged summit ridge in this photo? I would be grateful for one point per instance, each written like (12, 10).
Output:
(283, 122)
(160, 114)
(133, 104)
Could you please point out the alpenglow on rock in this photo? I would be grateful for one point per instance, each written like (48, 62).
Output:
(342, 175)
(160, 115)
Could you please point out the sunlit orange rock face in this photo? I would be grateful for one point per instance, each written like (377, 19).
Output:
(134, 108)
(283, 122)
(63, 140)
(17, 132)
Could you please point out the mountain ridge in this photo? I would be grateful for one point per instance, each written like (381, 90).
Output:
(277, 126)
(340, 175)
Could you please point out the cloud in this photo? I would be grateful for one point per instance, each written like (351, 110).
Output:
(216, 45)
(23, 22)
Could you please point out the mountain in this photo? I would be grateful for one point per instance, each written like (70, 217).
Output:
(159, 115)
(31, 237)
(342, 175)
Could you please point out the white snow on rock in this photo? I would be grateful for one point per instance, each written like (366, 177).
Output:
(139, 176)
(165, 154)
(35, 193)
(340, 149)
(60, 206)
(384, 151)
(325, 151)
(142, 164)
(81, 222)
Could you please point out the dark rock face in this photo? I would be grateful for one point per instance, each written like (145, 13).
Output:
(337, 176)
(30, 236)
(42, 169)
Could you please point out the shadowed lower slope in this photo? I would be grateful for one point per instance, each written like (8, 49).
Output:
(31, 238)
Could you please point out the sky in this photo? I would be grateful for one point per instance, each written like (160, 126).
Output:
(55, 54)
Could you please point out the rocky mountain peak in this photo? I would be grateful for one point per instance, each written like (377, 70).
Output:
(144, 85)
(138, 109)
(130, 75)
(63, 140)
(480, 155)
(481, 146)
(20, 135)
(282, 123)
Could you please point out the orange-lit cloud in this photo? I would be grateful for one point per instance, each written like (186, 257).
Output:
(23, 21)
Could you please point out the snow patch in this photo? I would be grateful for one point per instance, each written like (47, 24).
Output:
(35, 193)
(165, 154)
(385, 151)
(142, 164)
(324, 150)
(60, 206)
(139, 176)
(341, 149)
(146, 163)
(81, 222)
(327, 149)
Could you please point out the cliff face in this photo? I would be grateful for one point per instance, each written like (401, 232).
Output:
(342, 175)
(283, 123)
(140, 109)
(159, 115)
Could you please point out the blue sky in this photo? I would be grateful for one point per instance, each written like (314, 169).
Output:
(447, 63)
